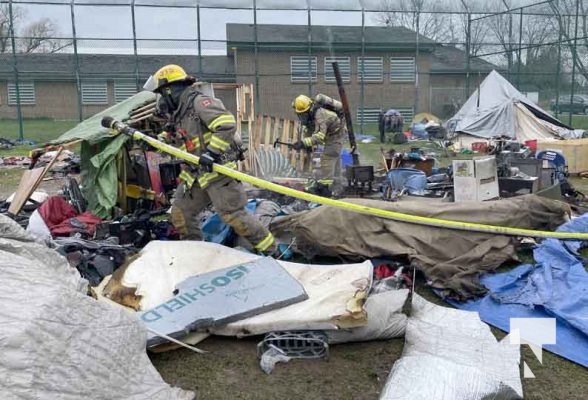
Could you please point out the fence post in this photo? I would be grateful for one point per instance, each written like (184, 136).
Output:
(15, 66)
(575, 60)
(76, 60)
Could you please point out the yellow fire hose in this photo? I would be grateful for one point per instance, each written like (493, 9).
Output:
(120, 127)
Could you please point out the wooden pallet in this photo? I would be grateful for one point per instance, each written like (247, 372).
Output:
(263, 134)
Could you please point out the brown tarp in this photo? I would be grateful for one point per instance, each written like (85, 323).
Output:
(450, 259)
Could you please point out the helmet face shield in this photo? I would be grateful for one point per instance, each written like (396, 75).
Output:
(150, 84)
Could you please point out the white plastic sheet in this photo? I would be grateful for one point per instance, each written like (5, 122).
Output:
(58, 343)
(336, 292)
(451, 355)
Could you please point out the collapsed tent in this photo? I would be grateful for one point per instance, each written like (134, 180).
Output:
(58, 343)
(99, 151)
(450, 259)
(497, 108)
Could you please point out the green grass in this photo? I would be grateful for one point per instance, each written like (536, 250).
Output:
(37, 130)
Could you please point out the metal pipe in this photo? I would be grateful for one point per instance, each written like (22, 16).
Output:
(348, 120)
(362, 87)
(76, 60)
(575, 58)
(468, 50)
(416, 64)
(520, 55)
(557, 80)
(256, 57)
(309, 45)
(134, 22)
(199, 41)
(15, 67)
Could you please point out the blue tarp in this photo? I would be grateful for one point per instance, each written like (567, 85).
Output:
(216, 231)
(413, 180)
(557, 286)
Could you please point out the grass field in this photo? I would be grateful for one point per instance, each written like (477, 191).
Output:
(39, 131)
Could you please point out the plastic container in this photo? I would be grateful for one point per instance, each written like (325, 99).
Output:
(346, 158)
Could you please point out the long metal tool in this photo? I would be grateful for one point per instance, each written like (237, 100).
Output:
(120, 127)
(348, 120)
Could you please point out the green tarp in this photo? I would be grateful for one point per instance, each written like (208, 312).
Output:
(98, 154)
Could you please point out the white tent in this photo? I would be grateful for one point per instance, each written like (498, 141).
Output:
(496, 108)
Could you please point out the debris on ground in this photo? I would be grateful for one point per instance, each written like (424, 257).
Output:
(555, 287)
(452, 355)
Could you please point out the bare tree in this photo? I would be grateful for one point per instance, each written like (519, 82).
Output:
(565, 14)
(507, 30)
(417, 15)
(38, 36)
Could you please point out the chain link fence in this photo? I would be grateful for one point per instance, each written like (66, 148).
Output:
(68, 59)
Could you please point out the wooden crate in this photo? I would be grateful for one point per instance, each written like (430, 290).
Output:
(575, 152)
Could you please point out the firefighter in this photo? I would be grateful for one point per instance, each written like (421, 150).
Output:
(201, 125)
(328, 128)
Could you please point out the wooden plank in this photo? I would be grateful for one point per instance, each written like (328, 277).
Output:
(276, 132)
(30, 180)
(251, 103)
(285, 137)
(267, 132)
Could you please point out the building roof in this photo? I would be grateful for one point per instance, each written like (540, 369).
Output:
(289, 37)
(61, 66)
(448, 59)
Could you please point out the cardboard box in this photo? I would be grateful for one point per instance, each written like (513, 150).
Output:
(475, 179)
(575, 152)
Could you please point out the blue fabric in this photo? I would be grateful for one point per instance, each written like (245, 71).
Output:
(418, 131)
(557, 286)
(215, 230)
(414, 180)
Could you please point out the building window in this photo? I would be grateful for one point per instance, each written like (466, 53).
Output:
(372, 115)
(94, 93)
(372, 71)
(123, 90)
(369, 115)
(301, 67)
(402, 69)
(26, 91)
(344, 68)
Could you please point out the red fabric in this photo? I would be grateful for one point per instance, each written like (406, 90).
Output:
(67, 227)
(58, 214)
(383, 271)
(55, 210)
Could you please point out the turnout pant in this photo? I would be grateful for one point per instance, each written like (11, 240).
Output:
(330, 170)
(229, 199)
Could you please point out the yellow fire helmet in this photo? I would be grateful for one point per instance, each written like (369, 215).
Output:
(166, 75)
(302, 104)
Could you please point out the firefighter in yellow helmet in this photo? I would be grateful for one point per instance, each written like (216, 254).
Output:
(326, 127)
(203, 126)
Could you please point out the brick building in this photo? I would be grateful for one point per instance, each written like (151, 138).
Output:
(286, 62)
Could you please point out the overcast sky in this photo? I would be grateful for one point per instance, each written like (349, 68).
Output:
(178, 25)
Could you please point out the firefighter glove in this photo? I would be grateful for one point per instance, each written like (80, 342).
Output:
(299, 145)
(207, 160)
